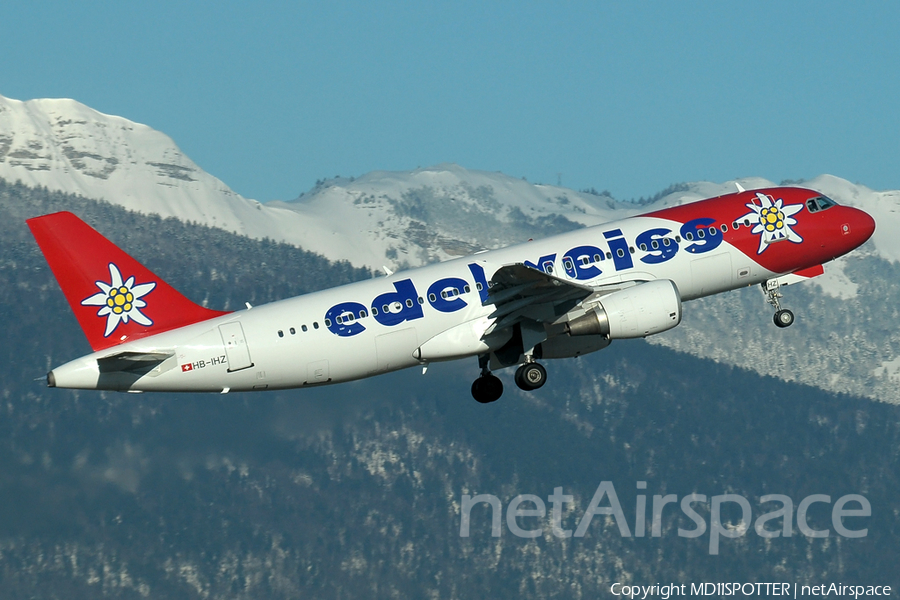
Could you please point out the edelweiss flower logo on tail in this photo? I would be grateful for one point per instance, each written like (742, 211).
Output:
(120, 301)
(773, 221)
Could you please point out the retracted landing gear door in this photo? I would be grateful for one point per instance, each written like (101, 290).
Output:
(235, 346)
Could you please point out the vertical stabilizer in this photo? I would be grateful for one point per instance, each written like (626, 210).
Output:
(114, 297)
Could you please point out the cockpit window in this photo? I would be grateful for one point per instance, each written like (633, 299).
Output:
(819, 203)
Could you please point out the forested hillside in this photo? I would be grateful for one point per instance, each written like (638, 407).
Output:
(353, 491)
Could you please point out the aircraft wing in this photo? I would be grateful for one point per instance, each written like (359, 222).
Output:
(519, 293)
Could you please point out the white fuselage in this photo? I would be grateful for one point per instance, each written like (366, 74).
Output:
(299, 342)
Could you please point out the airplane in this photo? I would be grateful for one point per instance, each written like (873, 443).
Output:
(563, 296)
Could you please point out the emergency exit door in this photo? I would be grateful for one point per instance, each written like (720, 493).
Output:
(235, 346)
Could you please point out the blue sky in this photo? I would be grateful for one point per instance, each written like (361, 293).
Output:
(629, 97)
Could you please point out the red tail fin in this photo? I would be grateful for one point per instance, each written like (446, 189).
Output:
(114, 297)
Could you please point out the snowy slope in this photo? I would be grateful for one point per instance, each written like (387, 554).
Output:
(404, 218)
(434, 213)
(66, 146)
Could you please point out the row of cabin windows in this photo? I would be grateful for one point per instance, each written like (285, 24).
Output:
(293, 331)
(350, 317)
(655, 244)
(453, 292)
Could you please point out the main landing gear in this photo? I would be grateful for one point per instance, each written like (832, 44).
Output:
(488, 387)
(531, 376)
(783, 317)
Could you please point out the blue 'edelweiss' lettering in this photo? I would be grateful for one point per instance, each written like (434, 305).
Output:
(544, 263)
(398, 306)
(577, 262)
(621, 254)
(660, 247)
(443, 294)
(580, 263)
(704, 239)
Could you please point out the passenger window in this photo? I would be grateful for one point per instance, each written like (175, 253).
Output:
(689, 236)
(432, 297)
(421, 300)
(315, 325)
(724, 228)
(374, 311)
(467, 289)
(643, 247)
(304, 328)
(280, 333)
(327, 322)
(362, 314)
(609, 255)
(478, 287)
(700, 234)
(666, 242)
(598, 257)
(293, 331)
(654, 244)
(409, 303)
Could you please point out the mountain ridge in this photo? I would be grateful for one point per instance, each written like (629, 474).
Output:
(399, 218)
(354, 490)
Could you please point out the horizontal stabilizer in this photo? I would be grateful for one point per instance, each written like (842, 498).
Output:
(132, 362)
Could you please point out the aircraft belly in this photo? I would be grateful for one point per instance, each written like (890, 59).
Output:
(395, 350)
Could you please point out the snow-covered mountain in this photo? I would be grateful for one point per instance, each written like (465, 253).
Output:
(405, 218)
(399, 219)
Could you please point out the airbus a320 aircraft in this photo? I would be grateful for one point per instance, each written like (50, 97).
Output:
(560, 297)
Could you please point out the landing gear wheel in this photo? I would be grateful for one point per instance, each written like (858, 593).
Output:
(487, 388)
(784, 318)
(531, 376)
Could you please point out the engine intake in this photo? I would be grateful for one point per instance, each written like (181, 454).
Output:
(638, 311)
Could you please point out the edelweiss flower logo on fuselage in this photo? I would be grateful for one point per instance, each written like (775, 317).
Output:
(120, 301)
(773, 221)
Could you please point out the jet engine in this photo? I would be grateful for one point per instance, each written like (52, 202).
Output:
(634, 312)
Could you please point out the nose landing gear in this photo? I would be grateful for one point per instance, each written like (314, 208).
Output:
(783, 317)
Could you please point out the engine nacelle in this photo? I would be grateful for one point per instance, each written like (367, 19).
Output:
(638, 311)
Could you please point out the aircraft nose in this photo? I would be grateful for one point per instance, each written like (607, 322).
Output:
(858, 224)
